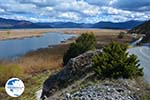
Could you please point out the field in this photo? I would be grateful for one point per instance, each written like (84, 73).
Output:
(22, 33)
(38, 65)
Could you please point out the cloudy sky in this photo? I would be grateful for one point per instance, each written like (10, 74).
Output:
(87, 11)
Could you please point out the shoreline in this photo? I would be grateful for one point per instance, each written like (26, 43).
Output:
(10, 34)
(21, 37)
(20, 34)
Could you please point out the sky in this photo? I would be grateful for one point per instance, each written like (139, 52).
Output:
(79, 11)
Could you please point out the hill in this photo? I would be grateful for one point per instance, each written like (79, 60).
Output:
(143, 28)
(119, 25)
(19, 24)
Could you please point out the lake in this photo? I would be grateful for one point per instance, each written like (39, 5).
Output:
(17, 47)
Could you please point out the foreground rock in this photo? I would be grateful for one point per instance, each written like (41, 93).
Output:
(105, 91)
(75, 69)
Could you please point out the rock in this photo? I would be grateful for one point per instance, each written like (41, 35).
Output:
(103, 92)
(75, 69)
(68, 96)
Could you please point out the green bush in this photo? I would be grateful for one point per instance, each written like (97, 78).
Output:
(115, 62)
(85, 42)
(10, 71)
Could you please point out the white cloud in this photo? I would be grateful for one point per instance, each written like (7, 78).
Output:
(75, 10)
(114, 11)
(49, 8)
(2, 10)
(17, 7)
(69, 15)
(78, 6)
(111, 2)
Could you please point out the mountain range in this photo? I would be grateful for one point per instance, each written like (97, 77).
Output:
(20, 24)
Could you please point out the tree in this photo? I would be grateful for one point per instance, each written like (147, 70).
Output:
(114, 62)
(85, 42)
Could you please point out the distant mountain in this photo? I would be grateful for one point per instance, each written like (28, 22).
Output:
(119, 25)
(15, 24)
(67, 25)
(11, 23)
(102, 25)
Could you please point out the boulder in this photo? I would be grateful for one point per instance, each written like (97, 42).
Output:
(75, 69)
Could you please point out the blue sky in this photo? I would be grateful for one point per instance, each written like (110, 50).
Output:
(80, 11)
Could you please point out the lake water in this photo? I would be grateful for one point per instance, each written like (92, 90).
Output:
(143, 54)
(17, 47)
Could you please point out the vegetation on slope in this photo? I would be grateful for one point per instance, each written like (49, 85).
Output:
(32, 84)
(143, 28)
(6, 72)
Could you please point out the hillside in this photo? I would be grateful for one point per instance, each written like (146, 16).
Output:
(76, 82)
(143, 28)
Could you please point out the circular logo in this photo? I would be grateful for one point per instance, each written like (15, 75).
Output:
(14, 87)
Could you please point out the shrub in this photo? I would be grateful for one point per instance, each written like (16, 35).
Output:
(84, 43)
(10, 71)
(121, 35)
(115, 62)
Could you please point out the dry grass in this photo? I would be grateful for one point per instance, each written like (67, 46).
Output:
(97, 32)
(8, 71)
(42, 59)
(22, 33)
(106, 39)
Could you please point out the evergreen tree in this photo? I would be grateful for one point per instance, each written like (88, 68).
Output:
(85, 42)
(115, 62)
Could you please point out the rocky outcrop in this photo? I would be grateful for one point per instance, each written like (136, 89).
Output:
(75, 69)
